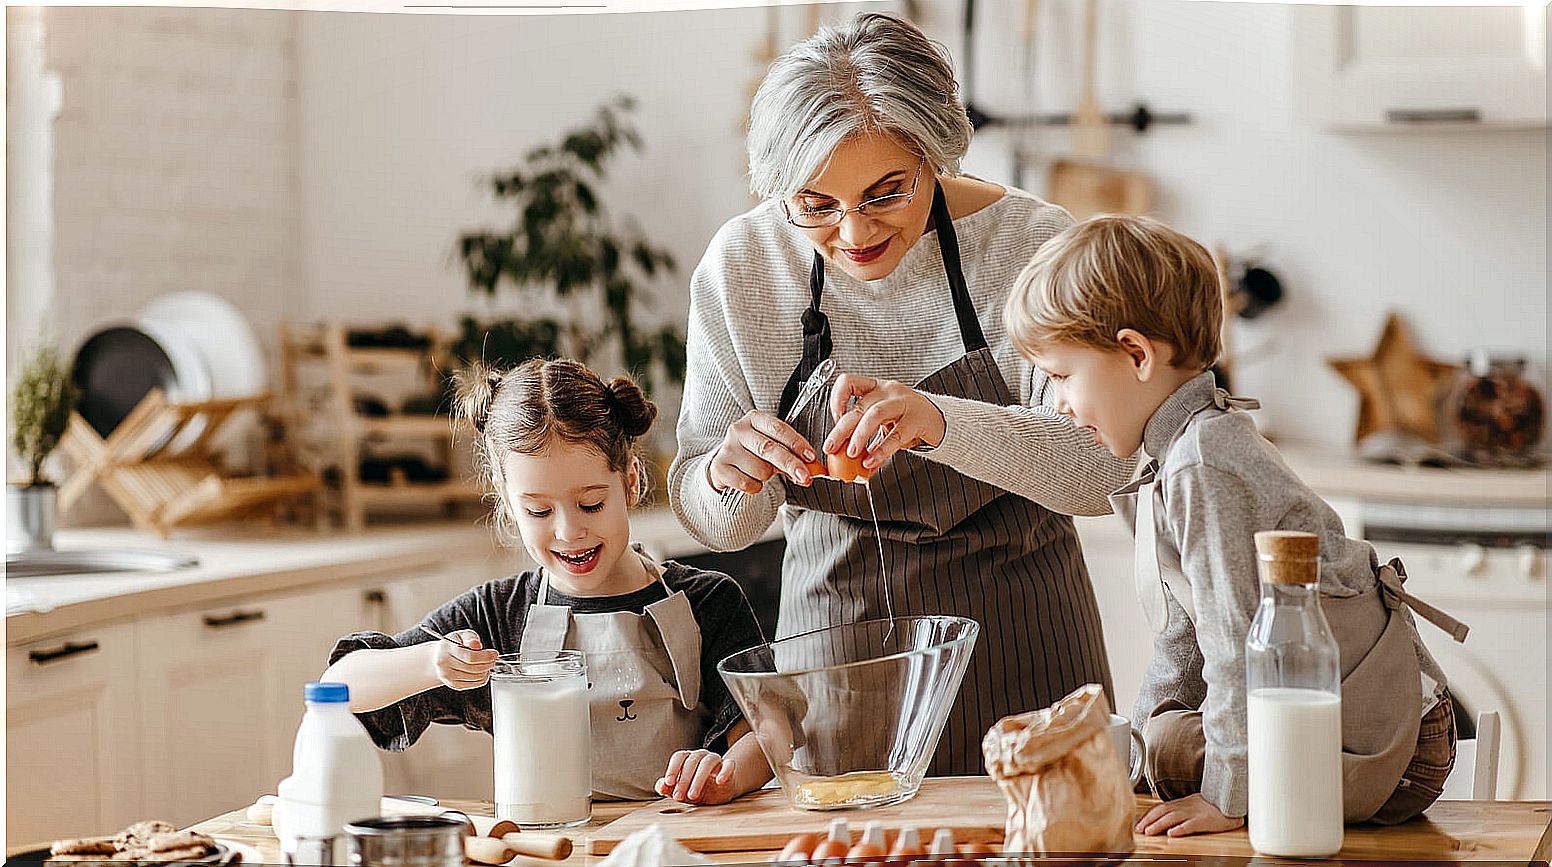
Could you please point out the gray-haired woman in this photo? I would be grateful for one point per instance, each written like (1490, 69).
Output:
(855, 140)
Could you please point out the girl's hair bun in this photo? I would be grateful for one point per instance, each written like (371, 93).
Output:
(474, 389)
(631, 409)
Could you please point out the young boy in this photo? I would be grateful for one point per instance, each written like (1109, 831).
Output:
(1123, 313)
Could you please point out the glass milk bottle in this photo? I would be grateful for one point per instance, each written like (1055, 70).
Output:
(1293, 678)
(544, 742)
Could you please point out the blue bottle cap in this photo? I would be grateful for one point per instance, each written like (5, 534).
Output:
(326, 692)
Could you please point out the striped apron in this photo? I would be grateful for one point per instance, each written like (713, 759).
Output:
(951, 544)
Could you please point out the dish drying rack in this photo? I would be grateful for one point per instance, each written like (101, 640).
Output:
(159, 487)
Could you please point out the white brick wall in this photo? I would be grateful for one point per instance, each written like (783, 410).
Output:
(175, 167)
(175, 161)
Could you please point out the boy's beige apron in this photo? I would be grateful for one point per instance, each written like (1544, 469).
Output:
(1381, 697)
(644, 683)
(951, 545)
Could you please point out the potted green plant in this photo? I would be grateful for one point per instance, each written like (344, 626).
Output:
(41, 401)
(564, 247)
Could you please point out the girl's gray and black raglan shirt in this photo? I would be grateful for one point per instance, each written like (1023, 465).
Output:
(498, 610)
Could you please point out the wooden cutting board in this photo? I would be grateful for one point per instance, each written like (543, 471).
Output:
(972, 806)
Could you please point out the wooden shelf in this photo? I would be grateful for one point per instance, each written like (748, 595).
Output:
(319, 344)
(421, 492)
(327, 345)
(411, 425)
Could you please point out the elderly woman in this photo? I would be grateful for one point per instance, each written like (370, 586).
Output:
(855, 140)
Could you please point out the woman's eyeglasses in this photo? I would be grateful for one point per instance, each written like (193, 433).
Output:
(823, 218)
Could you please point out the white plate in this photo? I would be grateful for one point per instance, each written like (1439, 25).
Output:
(216, 333)
(221, 334)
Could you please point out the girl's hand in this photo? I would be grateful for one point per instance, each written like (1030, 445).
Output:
(906, 416)
(698, 777)
(466, 667)
(756, 447)
(1181, 817)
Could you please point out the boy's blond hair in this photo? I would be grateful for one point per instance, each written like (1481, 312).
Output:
(1112, 272)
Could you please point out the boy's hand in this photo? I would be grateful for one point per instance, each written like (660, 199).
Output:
(466, 667)
(907, 417)
(698, 777)
(1184, 816)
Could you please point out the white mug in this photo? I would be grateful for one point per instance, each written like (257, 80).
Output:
(1122, 736)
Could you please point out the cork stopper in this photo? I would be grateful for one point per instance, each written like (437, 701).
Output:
(1288, 556)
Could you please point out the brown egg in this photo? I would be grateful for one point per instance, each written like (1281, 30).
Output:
(864, 853)
(816, 468)
(830, 850)
(798, 848)
(907, 848)
(975, 852)
(847, 469)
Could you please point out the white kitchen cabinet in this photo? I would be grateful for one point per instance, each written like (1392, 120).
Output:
(72, 758)
(212, 731)
(1399, 67)
(221, 694)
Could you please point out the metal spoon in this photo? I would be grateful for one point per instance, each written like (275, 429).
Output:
(434, 634)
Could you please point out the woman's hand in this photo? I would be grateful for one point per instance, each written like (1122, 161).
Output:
(698, 777)
(756, 447)
(1181, 817)
(905, 415)
(466, 667)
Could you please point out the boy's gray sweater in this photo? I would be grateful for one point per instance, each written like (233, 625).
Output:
(1221, 483)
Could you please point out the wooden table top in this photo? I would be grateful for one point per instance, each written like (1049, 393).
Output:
(1517, 832)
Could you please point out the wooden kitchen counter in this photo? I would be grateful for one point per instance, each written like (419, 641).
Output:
(1517, 832)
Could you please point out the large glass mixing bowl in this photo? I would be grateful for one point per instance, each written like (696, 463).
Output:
(849, 716)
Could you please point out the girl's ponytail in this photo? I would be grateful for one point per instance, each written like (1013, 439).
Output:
(474, 389)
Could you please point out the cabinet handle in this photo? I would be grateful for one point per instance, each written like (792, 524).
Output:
(64, 651)
(374, 597)
(233, 619)
(1433, 115)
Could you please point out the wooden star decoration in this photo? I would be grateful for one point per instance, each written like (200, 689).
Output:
(1398, 387)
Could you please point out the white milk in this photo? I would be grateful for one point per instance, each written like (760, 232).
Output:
(1295, 772)
(544, 748)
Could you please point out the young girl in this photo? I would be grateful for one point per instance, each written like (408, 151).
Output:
(557, 445)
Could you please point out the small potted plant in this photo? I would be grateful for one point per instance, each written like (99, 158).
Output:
(41, 401)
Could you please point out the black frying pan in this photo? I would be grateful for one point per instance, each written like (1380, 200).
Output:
(114, 369)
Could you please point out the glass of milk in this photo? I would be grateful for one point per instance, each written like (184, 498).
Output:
(1294, 695)
(544, 750)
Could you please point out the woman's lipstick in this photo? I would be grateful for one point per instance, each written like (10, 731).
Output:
(867, 254)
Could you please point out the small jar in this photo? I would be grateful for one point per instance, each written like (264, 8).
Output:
(1494, 415)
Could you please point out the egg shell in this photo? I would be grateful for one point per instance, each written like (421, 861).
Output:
(798, 848)
(864, 853)
(830, 849)
(847, 469)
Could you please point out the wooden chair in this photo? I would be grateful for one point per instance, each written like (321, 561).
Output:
(1475, 776)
